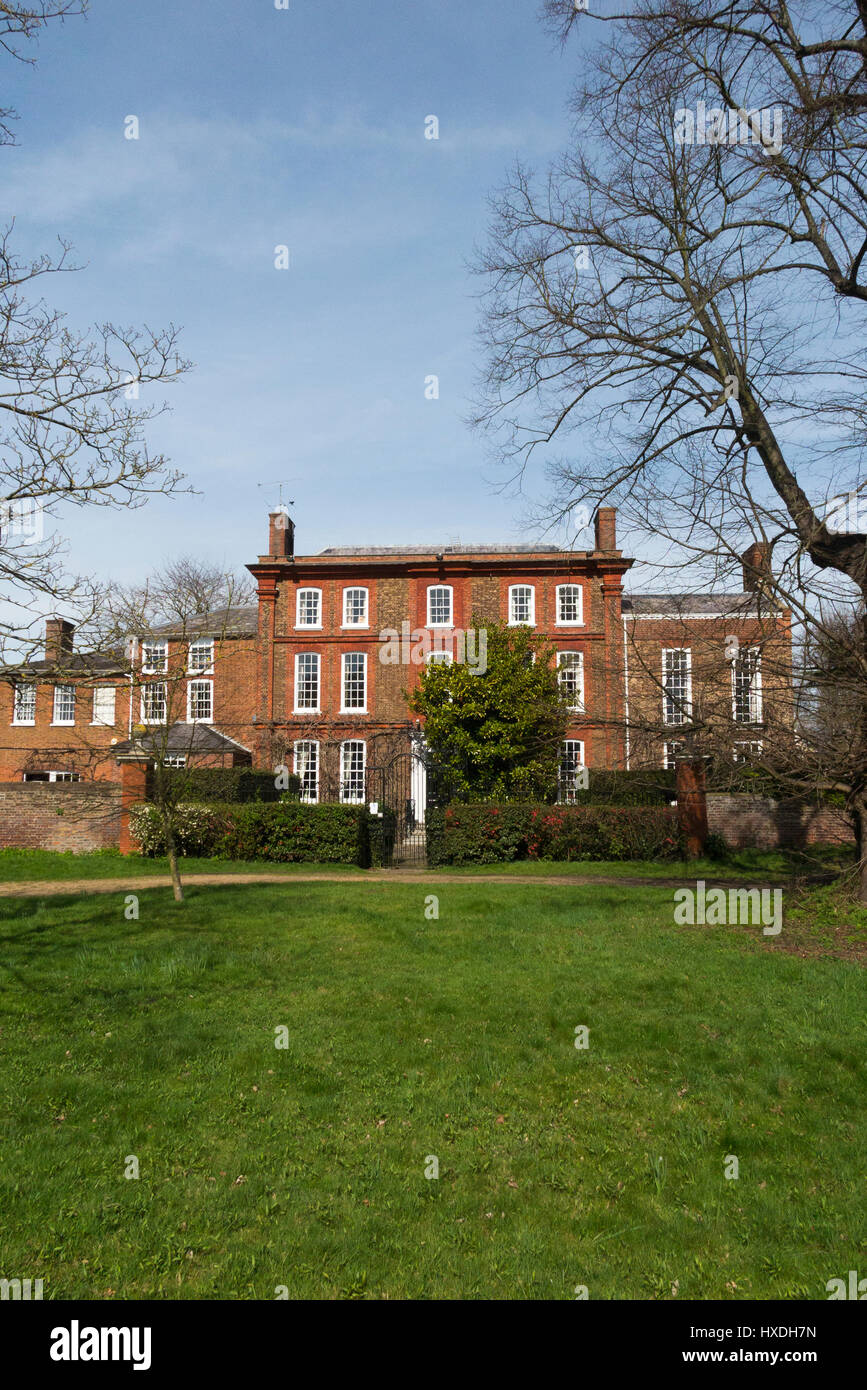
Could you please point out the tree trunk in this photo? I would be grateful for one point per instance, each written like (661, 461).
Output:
(172, 851)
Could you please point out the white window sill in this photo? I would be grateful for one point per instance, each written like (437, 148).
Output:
(355, 627)
(195, 673)
(444, 626)
(200, 721)
(306, 711)
(570, 622)
(523, 622)
(23, 724)
(308, 627)
(356, 710)
(102, 724)
(62, 724)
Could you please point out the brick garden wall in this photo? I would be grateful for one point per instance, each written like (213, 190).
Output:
(78, 816)
(754, 822)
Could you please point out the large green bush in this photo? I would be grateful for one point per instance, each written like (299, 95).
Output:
(491, 834)
(287, 832)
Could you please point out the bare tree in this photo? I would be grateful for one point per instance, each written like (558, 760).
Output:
(72, 424)
(685, 295)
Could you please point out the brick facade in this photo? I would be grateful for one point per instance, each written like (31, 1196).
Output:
(620, 639)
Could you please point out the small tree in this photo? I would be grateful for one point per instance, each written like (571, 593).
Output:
(497, 735)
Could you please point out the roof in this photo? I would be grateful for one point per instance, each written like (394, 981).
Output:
(180, 738)
(691, 605)
(440, 550)
(72, 664)
(239, 621)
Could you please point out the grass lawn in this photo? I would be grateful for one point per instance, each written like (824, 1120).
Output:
(33, 865)
(304, 1166)
(24, 866)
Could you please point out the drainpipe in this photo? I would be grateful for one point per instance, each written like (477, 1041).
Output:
(626, 687)
(133, 654)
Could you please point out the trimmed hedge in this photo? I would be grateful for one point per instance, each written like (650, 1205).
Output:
(228, 784)
(285, 832)
(638, 787)
(491, 834)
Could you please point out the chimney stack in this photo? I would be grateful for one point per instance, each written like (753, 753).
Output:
(605, 525)
(281, 535)
(58, 639)
(756, 561)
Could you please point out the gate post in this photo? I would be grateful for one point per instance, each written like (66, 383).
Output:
(692, 804)
(133, 789)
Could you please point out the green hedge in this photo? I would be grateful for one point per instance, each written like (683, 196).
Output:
(227, 784)
(288, 832)
(638, 787)
(491, 834)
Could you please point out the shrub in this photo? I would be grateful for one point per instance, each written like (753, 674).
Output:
(293, 832)
(490, 834)
(285, 831)
(228, 784)
(198, 829)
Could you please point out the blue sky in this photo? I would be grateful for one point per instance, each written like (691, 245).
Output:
(302, 127)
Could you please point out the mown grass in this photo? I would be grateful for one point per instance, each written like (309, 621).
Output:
(410, 1037)
(23, 866)
(41, 865)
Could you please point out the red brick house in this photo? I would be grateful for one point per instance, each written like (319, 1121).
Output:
(316, 675)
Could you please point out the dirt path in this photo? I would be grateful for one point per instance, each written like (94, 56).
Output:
(130, 884)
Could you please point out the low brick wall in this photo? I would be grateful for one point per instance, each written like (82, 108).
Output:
(756, 822)
(76, 816)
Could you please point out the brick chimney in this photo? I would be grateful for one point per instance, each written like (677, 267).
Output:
(756, 561)
(605, 524)
(281, 535)
(58, 639)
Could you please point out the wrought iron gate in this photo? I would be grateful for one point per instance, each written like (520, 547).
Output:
(399, 787)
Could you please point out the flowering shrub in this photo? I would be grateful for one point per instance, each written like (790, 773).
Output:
(487, 834)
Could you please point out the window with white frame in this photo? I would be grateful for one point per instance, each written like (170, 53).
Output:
(200, 702)
(175, 760)
(355, 608)
(64, 704)
(24, 706)
(570, 605)
(308, 608)
(439, 605)
(307, 681)
(154, 656)
(572, 777)
(676, 685)
(103, 705)
(570, 678)
(747, 752)
(354, 681)
(439, 659)
(522, 604)
(672, 751)
(201, 656)
(306, 766)
(51, 776)
(747, 686)
(153, 702)
(352, 759)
